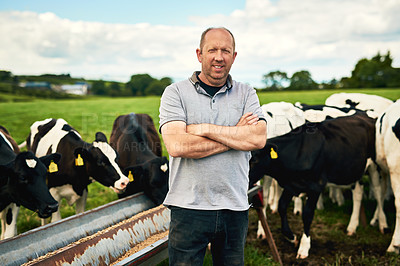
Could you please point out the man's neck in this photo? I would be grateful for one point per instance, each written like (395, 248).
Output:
(205, 80)
(212, 90)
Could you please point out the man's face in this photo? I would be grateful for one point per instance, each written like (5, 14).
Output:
(216, 57)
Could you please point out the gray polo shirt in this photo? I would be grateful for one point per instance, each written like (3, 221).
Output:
(219, 181)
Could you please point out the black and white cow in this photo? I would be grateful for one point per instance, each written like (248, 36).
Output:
(80, 162)
(136, 140)
(22, 182)
(319, 113)
(388, 159)
(281, 117)
(374, 105)
(307, 158)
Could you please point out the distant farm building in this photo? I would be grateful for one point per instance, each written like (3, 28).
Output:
(78, 88)
(36, 85)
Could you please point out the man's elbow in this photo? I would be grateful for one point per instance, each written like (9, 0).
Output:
(173, 151)
(260, 142)
(260, 138)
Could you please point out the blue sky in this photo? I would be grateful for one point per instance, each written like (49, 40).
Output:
(113, 40)
(173, 12)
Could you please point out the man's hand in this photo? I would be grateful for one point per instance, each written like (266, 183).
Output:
(248, 119)
(201, 129)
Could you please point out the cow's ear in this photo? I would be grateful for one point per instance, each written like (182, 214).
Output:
(272, 151)
(101, 137)
(134, 173)
(46, 160)
(81, 154)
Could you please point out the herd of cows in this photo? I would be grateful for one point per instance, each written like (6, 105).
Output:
(308, 149)
(59, 164)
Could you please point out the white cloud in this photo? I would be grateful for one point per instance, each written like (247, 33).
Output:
(326, 38)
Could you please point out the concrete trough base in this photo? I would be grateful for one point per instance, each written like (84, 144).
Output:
(148, 256)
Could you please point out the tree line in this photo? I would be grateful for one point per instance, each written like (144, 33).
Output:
(376, 72)
(138, 85)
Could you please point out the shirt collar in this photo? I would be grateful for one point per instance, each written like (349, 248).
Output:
(195, 81)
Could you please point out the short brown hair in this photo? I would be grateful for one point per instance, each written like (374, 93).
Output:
(203, 36)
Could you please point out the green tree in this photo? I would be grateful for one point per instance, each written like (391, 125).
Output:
(302, 80)
(114, 89)
(157, 86)
(276, 80)
(99, 87)
(138, 83)
(6, 76)
(376, 72)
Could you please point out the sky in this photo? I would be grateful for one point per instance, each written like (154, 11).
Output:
(113, 40)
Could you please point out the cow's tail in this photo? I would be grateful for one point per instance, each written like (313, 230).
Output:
(22, 145)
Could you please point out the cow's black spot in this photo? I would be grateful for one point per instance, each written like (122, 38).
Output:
(351, 103)
(396, 129)
(9, 216)
(67, 127)
(380, 122)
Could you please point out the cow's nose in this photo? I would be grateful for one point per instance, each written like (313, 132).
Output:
(51, 208)
(123, 184)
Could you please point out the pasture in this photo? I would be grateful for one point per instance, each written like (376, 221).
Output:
(329, 245)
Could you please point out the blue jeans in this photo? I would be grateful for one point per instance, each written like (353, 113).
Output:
(190, 231)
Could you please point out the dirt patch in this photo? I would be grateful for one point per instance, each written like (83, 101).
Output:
(329, 241)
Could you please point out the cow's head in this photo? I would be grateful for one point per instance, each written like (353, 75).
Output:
(26, 184)
(100, 160)
(150, 177)
(260, 159)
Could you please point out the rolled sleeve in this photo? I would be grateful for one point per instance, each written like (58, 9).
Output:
(253, 104)
(171, 107)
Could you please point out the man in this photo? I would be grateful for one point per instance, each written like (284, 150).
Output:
(209, 124)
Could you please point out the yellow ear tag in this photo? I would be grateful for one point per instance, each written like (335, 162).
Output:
(130, 176)
(79, 160)
(273, 154)
(53, 167)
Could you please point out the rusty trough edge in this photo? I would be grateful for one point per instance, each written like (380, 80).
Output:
(158, 251)
(44, 239)
(108, 245)
(150, 255)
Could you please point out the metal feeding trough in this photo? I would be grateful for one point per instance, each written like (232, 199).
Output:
(95, 237)
(129, 231)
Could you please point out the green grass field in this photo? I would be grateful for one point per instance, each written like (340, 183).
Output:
(93, 114)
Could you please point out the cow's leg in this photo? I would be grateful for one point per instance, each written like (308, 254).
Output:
(320, 202)
(9, 221)
(338, 194)
(265, 186)
(3, 214)
(284, 202)
(81, 202)
(271, 193)
(276, 196)
(308, 216)
(298, 205)
(379, 194)
(355, 215)
(395, 243)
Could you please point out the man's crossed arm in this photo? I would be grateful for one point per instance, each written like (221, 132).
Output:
(202, 140)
